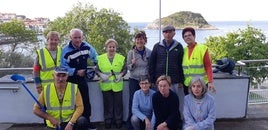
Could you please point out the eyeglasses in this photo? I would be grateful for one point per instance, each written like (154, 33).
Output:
(144, 83)
(168, 31)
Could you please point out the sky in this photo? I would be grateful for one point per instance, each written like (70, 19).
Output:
(145, 10)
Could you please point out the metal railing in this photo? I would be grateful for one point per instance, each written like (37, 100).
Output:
(256, 95)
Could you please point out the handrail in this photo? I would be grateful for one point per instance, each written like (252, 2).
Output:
(9, 88)
(251, 61)
(2, 69)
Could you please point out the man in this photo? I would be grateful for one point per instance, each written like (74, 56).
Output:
(166, 59)
(75, 58)
(47, 59)
(196, 60)
(63, 102)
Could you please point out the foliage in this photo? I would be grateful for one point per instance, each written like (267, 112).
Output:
(97, 26)
(15, 60)
(18, 44)
(17, 36)
(184, 19)
(247, 44)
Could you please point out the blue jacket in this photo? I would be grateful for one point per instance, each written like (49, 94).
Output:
(75, 59)
(199, 113)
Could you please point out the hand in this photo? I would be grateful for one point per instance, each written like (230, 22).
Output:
(211, 87)
(104, 77)
(53, 121)
(68, 127)
(189, 128)
(39, 89)
(147, 124)
(133, 61)
(162, 126)
(118, 78)
(81, 73)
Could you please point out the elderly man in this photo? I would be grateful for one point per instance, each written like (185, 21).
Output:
(166, 59)
(75, 57)
(63, 102)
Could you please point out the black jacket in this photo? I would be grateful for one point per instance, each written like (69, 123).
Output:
(166, 62)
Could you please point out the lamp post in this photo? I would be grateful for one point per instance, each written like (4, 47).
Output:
(160, 21)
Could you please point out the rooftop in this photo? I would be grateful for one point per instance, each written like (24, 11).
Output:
(257, 119)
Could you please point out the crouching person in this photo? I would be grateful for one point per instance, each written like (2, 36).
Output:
(142, 107)
(63, 103)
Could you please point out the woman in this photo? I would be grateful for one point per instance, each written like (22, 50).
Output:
(137, 64)
(166, 106)
(199, 107)
(142, 109)
(196, 60)
(111, 68)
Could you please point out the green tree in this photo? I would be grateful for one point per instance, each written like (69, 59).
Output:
(97, 25)
(247, 44)
(16, 41)
(17, 35)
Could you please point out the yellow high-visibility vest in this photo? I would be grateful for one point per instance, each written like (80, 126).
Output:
(63, 111)
(106, 66)
(194, 65)
(47, 65)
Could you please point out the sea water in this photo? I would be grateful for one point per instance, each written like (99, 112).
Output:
(223, 27)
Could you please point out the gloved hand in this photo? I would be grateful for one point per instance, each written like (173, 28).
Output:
(104, 77)
(119, 78)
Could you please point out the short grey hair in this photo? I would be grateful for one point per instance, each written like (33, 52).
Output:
(201, 80)
(76, 29)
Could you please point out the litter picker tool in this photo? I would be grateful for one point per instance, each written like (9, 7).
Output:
(21, 79)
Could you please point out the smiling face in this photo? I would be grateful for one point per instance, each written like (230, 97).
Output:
(76, 37)
(189, 38)
(140, 43)
(145, 85)
(53, 39)
(111, 48)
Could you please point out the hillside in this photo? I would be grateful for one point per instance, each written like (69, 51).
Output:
(182, 19)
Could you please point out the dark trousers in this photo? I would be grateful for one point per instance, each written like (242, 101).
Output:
(113, 107)
(81, 124)
(83, 88)
(133, 87)
(186, 90)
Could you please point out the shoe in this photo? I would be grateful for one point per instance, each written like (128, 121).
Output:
(107, 125)
(92, 127)
(118, 125)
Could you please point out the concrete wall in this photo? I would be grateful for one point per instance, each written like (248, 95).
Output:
(16, 104)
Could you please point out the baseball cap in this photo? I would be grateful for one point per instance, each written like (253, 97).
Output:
(168, 28)
(61, 70)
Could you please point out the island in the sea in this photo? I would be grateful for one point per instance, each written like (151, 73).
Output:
(181, 20)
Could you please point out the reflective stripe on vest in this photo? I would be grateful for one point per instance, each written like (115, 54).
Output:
(105, 67)
(194, 66)
(47, 65)
(60, 111)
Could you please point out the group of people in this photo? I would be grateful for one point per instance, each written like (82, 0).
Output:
(173, 95)
(167, 85)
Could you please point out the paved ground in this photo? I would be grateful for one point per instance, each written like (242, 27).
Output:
(257, 119)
